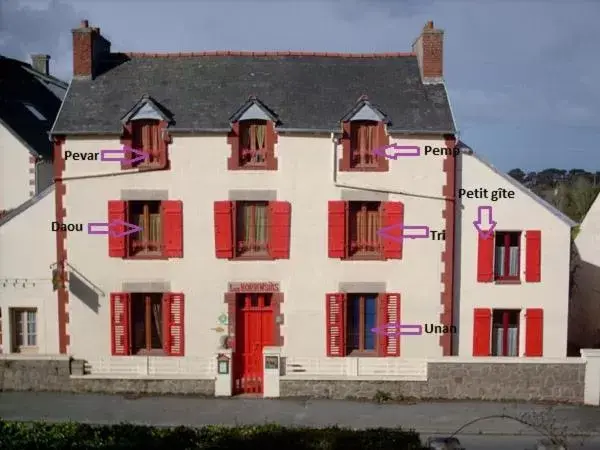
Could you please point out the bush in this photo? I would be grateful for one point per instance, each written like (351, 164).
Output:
(76, 436)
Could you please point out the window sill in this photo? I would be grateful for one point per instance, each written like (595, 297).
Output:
(507, 281)
(365, 169)
(26, 349)
(150, 167)
(254, 167)
(259, 257)
(365, 258)
(150, 353)
(362, 354)
(146, 257)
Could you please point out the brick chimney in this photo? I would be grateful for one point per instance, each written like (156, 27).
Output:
(41, 63)
(89, 47)
(429, 48)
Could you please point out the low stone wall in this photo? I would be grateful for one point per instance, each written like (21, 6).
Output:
(54, 375)
(459, 381)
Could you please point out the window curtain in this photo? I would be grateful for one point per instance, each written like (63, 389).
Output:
(498, 340)
(156, 315)
(513, 264)
(367, 224)
(260, 224)
(370, 321)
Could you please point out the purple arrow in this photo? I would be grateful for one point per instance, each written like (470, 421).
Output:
(398, 150)
(406, 232)
(396, 329)
(116, 228)
(485, 222)
(123, 155)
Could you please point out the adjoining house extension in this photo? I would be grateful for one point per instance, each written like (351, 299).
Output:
(244, 248)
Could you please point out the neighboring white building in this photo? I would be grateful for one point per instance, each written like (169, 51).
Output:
(584, 320)
(29, 101)
(28, 309)
(260, 203)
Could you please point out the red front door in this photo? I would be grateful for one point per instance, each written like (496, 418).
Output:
(255, 329)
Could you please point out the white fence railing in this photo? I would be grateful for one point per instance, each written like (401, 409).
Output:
(153, 366)
(358, 368)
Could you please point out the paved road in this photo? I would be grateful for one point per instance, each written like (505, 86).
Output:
(516, 443)
(427, 418)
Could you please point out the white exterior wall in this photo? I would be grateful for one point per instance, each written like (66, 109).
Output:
(27, 249)
(198, 177)
(14, 170)
(519, 214)
(585, 308)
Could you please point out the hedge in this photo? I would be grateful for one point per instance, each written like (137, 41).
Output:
(47, 436)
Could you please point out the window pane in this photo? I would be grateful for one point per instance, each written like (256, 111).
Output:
(31, 328)
(499, 262)
(497, 340)
(156, 327)
(261, 224)
(138, 313)
(370, 322)
(19, 328)
(513, 342)
(155, 228)
(352, 334)
(514, 262)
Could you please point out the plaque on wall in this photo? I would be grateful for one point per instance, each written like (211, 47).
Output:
(271, 362)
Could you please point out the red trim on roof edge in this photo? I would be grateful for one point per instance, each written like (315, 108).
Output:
(62, 292)
(448, 214)
(274, 53)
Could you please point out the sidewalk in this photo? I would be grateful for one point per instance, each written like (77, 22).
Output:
(426, 417)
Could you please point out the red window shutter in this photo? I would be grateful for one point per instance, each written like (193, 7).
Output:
(172, 228)
(173, 324)
(117, 245)
(533, 256)
(336, 324)
(224, 229)
(389, 312)
(393, 214)
(280, 216)
(119, 323)
(534, 332)
(485, 259)
(482, 331)
(337, 229)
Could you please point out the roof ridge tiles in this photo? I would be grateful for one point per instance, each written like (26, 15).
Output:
(268, 53)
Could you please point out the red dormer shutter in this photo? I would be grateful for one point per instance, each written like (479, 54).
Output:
(337, 229)
(172, 228)
(117, 245)
(223, 212)
(279, 229)
(393, 214)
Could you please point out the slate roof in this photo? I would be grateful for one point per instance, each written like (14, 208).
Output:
(306, 92)
(29, 103)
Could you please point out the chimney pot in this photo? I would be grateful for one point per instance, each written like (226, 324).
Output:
(429, 25)
(85, 24)
(41, 63)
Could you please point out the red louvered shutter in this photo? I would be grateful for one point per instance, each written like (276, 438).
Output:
(117, 245)
(119, 324)
(482, 331)
(280, 215)
(172, 228)
(485, 259)
(223, 229)
(335, 327)
(389, 313)
(393, 214)
(533, 256)
(173, 324)
(337, 228)
(534, 332)
(127, 145)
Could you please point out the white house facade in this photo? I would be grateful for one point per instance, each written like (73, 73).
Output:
(240, 221)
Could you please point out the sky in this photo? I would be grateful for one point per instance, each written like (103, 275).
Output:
(523, 75)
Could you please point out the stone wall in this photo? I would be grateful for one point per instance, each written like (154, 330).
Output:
(54, 375)
(459, 381)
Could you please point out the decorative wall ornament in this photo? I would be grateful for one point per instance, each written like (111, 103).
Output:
(223, 319)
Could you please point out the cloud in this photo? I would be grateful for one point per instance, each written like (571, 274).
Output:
(37, 27)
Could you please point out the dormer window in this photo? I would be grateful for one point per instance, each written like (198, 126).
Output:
(146, 136)
(253, 143)
(253, 137)
(363, 143)
(145, 130)
(364, 132)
